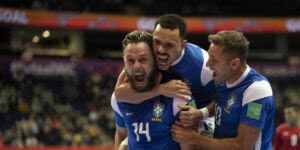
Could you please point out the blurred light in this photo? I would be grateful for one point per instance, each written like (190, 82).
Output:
(35, 39)
(46, 33)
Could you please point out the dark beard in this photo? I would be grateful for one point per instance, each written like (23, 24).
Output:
(151, 81)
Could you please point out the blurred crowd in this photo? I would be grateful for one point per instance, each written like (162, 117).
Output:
(158, 7)
(285, 92)
(35, 113)
(75, 110)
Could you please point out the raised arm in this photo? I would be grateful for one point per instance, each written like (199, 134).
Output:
(173, 88)
(125, 93)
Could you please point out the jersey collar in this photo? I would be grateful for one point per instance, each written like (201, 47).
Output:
(228, 85)
(179, 58)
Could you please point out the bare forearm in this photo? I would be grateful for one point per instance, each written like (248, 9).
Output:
(207, 143)
(125, 93)
(118, 141)
(187, 146)
(211, 108)
(207, 111)
(120, 135)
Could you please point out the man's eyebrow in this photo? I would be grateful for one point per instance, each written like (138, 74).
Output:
(165, 41)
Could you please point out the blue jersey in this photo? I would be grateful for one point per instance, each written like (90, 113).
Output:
(148, 123)
(192, 67)
(248, 101)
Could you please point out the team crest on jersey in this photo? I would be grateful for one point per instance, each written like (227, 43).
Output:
(230, 102)
(158, 109)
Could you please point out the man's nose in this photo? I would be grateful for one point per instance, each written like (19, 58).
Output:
(137, 64)
(160, 49)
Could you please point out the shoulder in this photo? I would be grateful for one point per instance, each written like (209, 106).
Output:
(257, 90)
(197, 52)
(190, 47)
(114, 104)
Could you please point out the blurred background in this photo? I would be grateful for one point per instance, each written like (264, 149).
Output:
(59, 59)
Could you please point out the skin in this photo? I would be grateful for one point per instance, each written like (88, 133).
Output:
(138, 60)
(292, 119)
(291, 116)
(120, 135)
(168, 46)
(227, 69)
(138, 64)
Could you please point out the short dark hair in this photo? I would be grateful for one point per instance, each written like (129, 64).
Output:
(136, 37)
(295, 106)
(172, 22)
(234, 42)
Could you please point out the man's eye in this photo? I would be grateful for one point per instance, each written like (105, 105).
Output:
(143, 60)
(169, 45)
(156, 42)
(131, 61)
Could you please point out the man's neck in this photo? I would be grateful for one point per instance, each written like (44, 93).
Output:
(238, 74)
(158, 79)
(179, 57)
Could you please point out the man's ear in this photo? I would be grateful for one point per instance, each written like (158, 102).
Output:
(235, 63)
(183, 43)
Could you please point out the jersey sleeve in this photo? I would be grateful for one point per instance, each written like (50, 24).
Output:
(206, 73)
(180, 102)
(176, 103)
(117, 113)
(206, 77)
(257, 104)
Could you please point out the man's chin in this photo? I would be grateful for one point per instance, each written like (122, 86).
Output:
(217, 81)
(140, 89)
(140, 86)
(164, 67)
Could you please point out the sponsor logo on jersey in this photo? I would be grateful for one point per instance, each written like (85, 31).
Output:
(254, 110)
(158, 109)
(230, 102)
(129, 113)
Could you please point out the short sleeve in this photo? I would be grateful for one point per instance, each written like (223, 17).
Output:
(257, 103)
(117, 113)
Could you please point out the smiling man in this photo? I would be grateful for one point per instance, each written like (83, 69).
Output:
(147, 124)
(244, 105)
(188, 61)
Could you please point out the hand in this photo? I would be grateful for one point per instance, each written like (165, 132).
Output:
(175, 88)
(122, 82)
(183, 135)
(189, 116)
(123, 77)
(124, 144)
